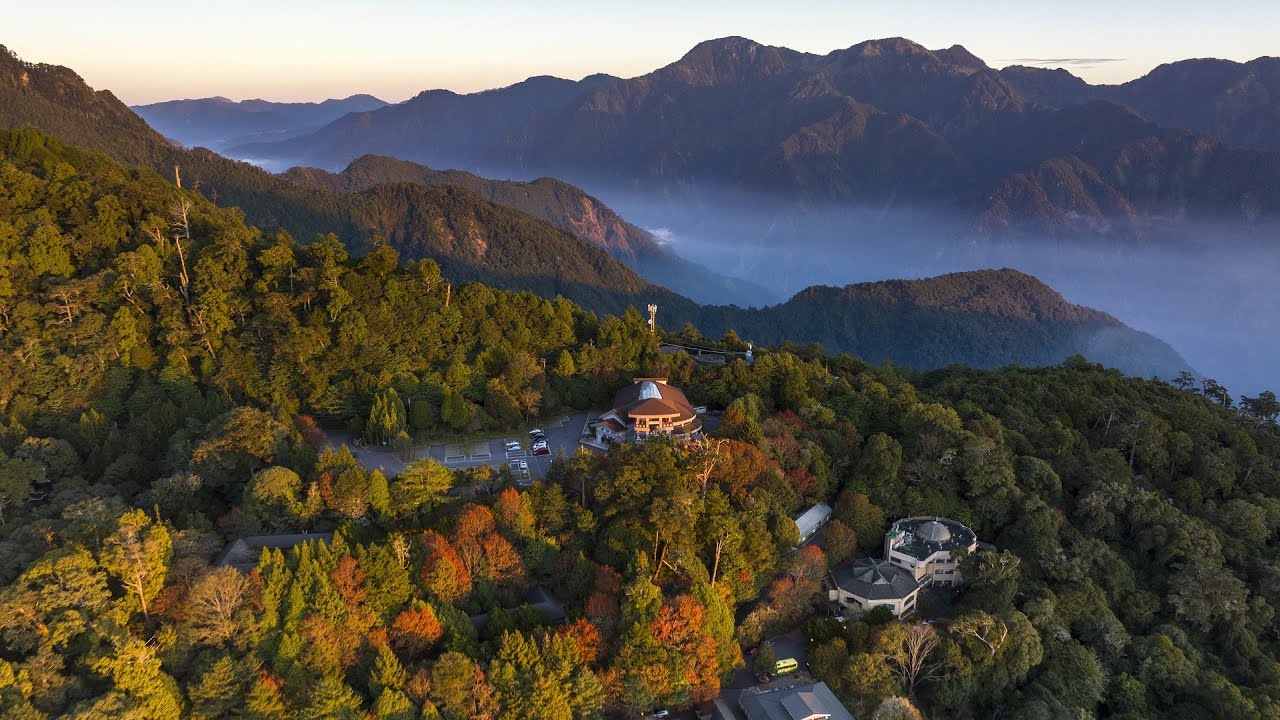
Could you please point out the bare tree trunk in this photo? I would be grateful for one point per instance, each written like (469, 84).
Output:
(139, 586)
(915, 665)
(182, 231)
(715, 567)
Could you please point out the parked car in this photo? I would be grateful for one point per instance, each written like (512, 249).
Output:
(661, 714)
(513, 445)
(524, 465)
(541, 450)
(536, 432)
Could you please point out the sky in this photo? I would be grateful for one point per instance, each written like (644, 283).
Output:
(146, 51)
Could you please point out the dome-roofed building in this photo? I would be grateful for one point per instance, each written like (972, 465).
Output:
(646, 407)
(918, 552)
(930, 548)
(870, 583)
(934, 531)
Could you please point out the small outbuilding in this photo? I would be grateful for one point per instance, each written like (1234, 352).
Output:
(812, 520)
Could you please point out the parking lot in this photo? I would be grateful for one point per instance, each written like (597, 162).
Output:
(563, 436)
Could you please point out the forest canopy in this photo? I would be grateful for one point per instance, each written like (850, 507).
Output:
(168, 375)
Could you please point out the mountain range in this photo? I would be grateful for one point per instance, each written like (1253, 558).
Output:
(473, 237)
(436, 127)
(882, 124)
(1236, 102)
(218, 123)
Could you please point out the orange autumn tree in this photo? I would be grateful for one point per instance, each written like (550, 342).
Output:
(484, 552)
(586, 637)
(443, 572)
(474, 523)
(512, 514)
(680, 628)
(415, 630)
(604, 605)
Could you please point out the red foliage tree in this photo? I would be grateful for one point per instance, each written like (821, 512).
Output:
(310, 431)
(348, 580)
(501, 559)
(512, 514)
(415, 631)
(443, 572)
(474, 521)
(586, 637)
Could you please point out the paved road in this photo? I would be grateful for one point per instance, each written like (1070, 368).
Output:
(563, 436)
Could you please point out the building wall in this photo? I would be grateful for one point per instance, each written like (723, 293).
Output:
(897, 607)
(939, 568)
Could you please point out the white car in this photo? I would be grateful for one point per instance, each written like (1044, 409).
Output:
(536, 431)
(524, 465)
(540, 445)
(513, 445)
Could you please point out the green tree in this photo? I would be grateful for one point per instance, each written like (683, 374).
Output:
(332, 699)
(137, 554)
(379, 494)
(18, 479)
(220, 691)
(419, 488)
(387, 417)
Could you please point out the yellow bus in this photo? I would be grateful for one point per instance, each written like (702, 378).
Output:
(789, 665)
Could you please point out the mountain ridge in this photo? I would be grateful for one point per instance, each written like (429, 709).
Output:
(562, 205)
(1237, 102)
(219, 123)
(884, 123)
(982, 318)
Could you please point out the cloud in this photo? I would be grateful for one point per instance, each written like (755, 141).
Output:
(663, 235)
(1072, 62)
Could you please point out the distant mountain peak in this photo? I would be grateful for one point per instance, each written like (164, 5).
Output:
(894, 46)
(960, 56)
(730, 59)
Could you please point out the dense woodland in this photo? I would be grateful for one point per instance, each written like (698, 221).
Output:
(165, 371)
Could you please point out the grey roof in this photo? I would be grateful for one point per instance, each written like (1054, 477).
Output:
(801, 702)
(813, 518)
(649, 390)
(874, 580)
(722, 710)
(243, 554)
(802, 705)
(538, 598)
(924, 536)
(541, 598)
(934, 531)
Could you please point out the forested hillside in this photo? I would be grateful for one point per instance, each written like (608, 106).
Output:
(165, 371)
(469, 236)
(983, 318)
(566, 207)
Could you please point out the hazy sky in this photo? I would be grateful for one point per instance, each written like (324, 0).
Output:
(146, 50)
